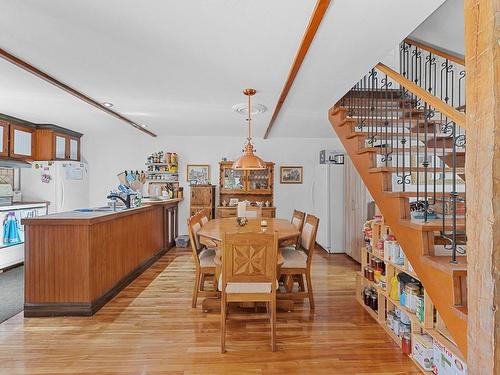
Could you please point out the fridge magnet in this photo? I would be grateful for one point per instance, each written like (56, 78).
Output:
(291, 175)
(46, 178)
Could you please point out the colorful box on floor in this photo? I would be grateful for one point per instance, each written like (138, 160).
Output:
(422, 351)
(446, 363)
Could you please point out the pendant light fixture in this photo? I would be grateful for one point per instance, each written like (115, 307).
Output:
(249, 161)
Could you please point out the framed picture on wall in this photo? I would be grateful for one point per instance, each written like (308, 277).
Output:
(291, 175)
(198, 174)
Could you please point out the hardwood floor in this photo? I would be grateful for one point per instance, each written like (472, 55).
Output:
(150, 328)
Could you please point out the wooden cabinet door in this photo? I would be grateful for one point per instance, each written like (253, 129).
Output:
(4, 138)
(259, 181)
(201, 196)
(233, 181)
(61, 146)
(21, 145)
(73, 148)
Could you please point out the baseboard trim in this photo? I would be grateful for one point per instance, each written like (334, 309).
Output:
(32, 310)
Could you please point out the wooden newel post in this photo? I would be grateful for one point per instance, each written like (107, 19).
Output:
(482, 58)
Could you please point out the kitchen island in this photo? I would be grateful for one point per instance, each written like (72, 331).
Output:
(75, 262)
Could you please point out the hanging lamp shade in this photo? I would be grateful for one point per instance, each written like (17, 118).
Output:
(249, 161)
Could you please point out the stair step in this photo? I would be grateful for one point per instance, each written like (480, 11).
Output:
(433, 225)
(400, 150)
(440, 141)
(390, 134)
(385, 114)
(443, 263)
(396, 121)
(447, 158)
(407, 170)
(364, 93)
(459, 158)
(413, 194)
(461, 239)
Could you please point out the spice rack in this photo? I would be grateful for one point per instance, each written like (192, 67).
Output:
(426, 339)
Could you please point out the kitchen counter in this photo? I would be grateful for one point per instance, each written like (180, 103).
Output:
(23, 205)
(75, 262)
(93, 217)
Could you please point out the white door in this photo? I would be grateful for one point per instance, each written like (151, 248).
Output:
(72, 186)
(355, 210)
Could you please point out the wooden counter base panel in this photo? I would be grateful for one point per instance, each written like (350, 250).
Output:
(75, 265)
(88, 309)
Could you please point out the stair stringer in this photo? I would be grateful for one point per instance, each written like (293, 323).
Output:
(415, 242)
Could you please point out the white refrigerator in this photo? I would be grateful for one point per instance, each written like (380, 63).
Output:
(65, 184)
(328, 198)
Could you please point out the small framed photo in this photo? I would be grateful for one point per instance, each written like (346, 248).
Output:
(198, 173)
(291, 175)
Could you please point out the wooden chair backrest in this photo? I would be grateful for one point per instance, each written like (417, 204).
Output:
(249, 258)
(253, 212)
(194, 226)
(308, 235)
(205, 216)
(298, 219)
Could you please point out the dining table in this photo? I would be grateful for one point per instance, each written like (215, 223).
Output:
(212, 233)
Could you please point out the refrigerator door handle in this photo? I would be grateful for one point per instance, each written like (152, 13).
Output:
(62, 195)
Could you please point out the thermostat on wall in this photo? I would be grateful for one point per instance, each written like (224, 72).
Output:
(331, 157)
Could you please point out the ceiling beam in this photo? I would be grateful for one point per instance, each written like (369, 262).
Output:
(308, 37)
(54, 81)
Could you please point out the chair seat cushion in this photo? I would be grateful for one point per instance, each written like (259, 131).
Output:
(293, 258)
(246, 287)
(206, 257)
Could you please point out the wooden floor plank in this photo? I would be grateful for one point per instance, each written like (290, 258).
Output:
(150, 329)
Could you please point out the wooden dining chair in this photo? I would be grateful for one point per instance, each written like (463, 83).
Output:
(203, 259)
(297, 262)
(253, 212)
(297, 220)
(249, 274)
(205, 216)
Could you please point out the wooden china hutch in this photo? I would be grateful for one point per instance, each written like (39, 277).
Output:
(251, 185)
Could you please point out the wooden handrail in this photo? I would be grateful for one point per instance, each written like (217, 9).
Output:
(433, 101)
(446, 55)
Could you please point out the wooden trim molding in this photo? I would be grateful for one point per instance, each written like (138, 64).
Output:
(310, 33)
(78, 94)
(446, 55)
(445, 109)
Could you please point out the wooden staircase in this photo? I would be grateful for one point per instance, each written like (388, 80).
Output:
(445, 282)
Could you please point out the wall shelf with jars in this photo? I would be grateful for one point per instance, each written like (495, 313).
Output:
(162, 175)
(391, 292)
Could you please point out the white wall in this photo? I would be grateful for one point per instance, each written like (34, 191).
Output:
(108, 155)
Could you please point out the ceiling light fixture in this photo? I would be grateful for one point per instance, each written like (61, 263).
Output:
(107, 104)
(249, 161)
(242, 108)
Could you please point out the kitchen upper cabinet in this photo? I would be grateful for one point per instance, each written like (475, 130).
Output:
(21, 139)
(55, 143)
(4, 138)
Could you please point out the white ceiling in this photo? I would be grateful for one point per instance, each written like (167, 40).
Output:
(179, 66)
(444, 28)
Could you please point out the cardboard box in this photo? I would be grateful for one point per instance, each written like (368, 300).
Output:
(445, 362)
(422, 350)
